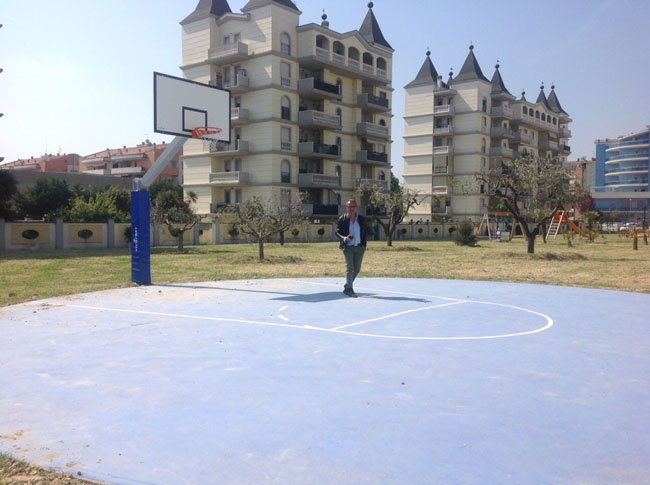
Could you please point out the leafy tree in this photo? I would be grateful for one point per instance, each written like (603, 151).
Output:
(99, 206)
(263, 218)
(176, 213)
(585, 202)
(394, 183)
(388, 209)
(532, 189)
(590, 217)
(8, 188)
(47, 198)
(165, 185)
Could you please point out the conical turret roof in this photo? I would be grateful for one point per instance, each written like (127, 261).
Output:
(497, 83)
(470, 71)
(427, 74)
(370, 30)
(554, 103)
(541, 98)
(207, 8)
(255, 3)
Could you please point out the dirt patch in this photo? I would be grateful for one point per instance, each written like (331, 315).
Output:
(17, 472)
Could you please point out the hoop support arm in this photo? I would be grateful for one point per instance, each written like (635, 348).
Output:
(159, 165)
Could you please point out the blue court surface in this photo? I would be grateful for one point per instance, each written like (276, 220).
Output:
(290, 381)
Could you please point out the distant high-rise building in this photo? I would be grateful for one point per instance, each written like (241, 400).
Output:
(311, 107)
(456, 130)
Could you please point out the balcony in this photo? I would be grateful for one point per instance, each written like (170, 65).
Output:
(548, 145)
(240, 85)
(444, 210)
(99, 171)
(127, 171)
(523, 138)
(239, 116)
(320, 57)
(370, 102)
(312, 149)
(314, 89)
(372, 183)
(564, 133)
(502, 112)
(501, 132)
(441, 190)
(228, 54)
(443, 130)
(317, 180)
(501, 152)
(442, 170)
(90, 162)
(319, 120)
(443, 150)
(566, 149)
(444, 110)
(371, 129)
(368, 156)
(229, 178)
(238, 147)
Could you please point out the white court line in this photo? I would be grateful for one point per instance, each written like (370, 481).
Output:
(283, 318)
(284, 308)
(398, 314)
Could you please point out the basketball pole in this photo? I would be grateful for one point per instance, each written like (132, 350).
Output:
(141, 214)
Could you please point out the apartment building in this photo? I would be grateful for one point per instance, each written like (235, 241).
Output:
(458, 129)
(129, 162)
(68, 162)
(311, 107)
(623, 174)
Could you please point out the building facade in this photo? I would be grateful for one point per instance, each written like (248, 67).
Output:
(456, 130)
(311, 107)
(68, 162)
(623, 175)
(130, 162)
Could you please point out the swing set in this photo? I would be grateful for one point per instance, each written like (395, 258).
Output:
(491, 221)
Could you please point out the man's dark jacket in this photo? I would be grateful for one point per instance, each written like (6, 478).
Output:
(343, 229)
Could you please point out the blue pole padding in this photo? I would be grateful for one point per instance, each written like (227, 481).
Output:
(140, 237)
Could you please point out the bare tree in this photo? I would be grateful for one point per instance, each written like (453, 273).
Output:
(389, 208)
(176, 213)
(532, 189)
(263, 218)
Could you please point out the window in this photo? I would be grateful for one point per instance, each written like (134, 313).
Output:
(537, 114)
(285, 74)
(339, 113)
(238, 196)
(286, 108)
(238, 165)
(237, 37)
(227, 166)
(285, 139)
(484, 106)
(483, 145)
(339, 83)
(382, 122)
(226, 76)
(285, 197)
(484, 162)
(237, 101)
(338, 174)
(484, 124)
(285, 172)
(482, 189)
(382, 175)
(339, 144)
(226, 40)
(226, 196)
(543, 117)
(525, 110)
(285, 43)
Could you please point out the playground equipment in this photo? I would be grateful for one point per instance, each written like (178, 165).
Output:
(556, 224)
(494, 218)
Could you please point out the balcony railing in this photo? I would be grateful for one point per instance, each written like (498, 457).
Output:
(443, 150)
(239, 85)
(127, 171)
(229, 178)
(523, 137)
(317, 180)
(565, 149)
(237, 146)
(502, 112)
(98, 171)
(365, 156)
(318, 150)
(548, 145)
(371, 102)
(321, 55)
(441, 170)
(501, 132)
(444, 130)
(371, 129)
(564, 133)
(354, 64)
(441, 210)
(315, 89)
(622, 170)
(239, 115)
(441, 189)
(444, 109)
(318, 119)
(379, 184)
(501, 152)
(228, 53)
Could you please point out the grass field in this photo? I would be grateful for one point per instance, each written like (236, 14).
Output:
(611, 263)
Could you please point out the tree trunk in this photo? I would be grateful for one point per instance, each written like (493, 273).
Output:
(645, 238)
(531, 243)
(635, 241)
(544, 231)
(389, 239)
(261, 244)
(180, 241)
(281, 238)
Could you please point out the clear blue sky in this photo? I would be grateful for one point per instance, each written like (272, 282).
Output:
(78, 73)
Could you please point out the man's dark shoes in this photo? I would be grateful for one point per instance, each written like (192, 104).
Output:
(351, 293)
(345, 290)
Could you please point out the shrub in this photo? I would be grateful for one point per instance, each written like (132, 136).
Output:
(464, 236)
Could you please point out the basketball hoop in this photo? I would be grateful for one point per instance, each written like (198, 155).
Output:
(205, 132)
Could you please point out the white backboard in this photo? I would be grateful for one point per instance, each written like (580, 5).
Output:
(180, 105)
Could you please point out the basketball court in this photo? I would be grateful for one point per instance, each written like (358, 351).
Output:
(290, 381)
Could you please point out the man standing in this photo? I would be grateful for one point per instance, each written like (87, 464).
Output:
(351, 231)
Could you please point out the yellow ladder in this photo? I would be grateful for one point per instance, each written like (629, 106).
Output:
(554, 228)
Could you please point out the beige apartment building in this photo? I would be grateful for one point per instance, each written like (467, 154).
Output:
(458, 129)
(310, 107)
